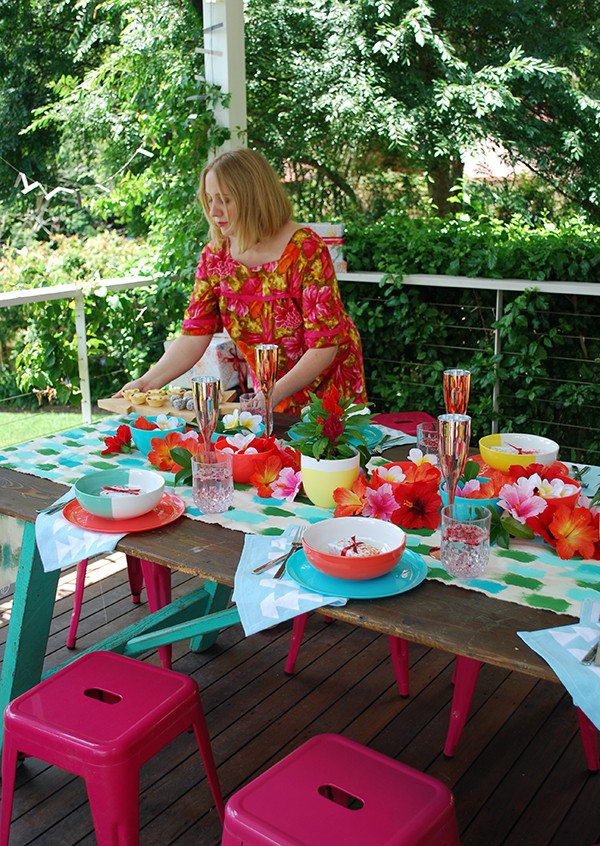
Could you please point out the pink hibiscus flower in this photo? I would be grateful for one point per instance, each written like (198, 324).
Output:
(520, 500)
(317, 302)
(287, 484)
(380, 503)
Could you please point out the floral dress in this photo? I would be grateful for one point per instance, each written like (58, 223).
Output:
(293, 302)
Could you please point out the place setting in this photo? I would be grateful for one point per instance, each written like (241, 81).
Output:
(100, 509)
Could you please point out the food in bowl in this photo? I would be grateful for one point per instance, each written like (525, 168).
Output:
(503, 450)
(119, 494)
(355, 548)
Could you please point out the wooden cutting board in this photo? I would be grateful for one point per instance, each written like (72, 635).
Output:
(123, 406)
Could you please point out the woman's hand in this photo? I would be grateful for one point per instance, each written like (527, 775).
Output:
(134, 385)
(182, 354)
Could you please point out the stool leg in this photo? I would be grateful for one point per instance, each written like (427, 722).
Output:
(158, 590)
(9, 773)
(136, 577)
(399, 652)
(77, 602)
(589, 738)
(295, 643)
(114, 797)
(465, 676)
(204, 745)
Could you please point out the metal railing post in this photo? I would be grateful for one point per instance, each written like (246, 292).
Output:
(82, 358)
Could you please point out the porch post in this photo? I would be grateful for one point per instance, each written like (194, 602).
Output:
(225, 63)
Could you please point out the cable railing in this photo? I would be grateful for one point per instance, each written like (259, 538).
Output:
(499, 286)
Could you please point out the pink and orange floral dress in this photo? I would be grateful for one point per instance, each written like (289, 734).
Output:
(293, 302)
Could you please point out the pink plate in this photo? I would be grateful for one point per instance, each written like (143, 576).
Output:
(168, 509)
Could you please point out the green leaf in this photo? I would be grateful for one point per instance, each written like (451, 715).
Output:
(516, 529)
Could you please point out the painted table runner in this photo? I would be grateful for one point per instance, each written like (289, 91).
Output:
(529, 573)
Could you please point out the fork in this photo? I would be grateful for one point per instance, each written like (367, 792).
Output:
(283, 559)
(590, 657)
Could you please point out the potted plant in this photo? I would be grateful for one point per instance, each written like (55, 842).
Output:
(330, 440)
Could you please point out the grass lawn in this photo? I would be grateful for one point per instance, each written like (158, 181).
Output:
(19, 426)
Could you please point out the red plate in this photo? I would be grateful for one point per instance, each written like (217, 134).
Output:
(168, 509)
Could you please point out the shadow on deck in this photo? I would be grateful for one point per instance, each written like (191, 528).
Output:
(518, 777)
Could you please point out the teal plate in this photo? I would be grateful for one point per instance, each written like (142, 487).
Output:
(371, 434)
(409, 572)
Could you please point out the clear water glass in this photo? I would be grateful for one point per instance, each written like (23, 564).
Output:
(253, 403)
(212, 481)
(465, 543)
(427, 438)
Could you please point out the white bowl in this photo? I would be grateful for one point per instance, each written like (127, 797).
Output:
(142, 490)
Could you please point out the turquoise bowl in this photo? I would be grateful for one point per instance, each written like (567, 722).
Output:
(93, 495)
(142, 438)
(470, 500)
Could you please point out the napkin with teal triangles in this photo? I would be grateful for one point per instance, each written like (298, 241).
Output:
(564, 647)
(263, 601)
(62, 544)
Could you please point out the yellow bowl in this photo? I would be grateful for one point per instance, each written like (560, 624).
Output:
(503, 450)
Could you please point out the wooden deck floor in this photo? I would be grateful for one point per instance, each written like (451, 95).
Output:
(518, 778)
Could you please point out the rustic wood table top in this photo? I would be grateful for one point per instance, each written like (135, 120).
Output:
(445, 617)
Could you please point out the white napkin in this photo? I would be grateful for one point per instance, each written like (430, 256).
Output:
(62, 544)
(563, 648)
(263, 601)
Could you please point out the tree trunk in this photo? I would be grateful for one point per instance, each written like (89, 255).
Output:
(443, 175)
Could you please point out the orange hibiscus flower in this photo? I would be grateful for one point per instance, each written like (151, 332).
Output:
(349, 503)
(266, 475)
(160, 454)
(571, 531)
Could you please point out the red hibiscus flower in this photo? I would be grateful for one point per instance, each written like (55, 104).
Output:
(119, 442)
(287, 316)
(419, 505)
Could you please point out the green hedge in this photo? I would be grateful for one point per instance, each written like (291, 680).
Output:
(549, 364)
(550, 355)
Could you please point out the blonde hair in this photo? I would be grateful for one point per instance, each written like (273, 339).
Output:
(262, 204)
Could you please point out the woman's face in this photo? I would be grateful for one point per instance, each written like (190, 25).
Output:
(221, 205)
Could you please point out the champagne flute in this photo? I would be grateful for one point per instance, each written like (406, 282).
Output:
(266, 376)
(454, 434)
(457, 384)
(205, 393)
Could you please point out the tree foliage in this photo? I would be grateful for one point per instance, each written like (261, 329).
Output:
(417, 83)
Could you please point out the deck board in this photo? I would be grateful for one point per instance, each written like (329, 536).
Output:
(518, 776)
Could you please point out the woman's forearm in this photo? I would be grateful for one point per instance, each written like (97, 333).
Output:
(311, 365)
(181, 355)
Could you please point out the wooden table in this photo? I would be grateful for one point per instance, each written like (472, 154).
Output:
(461, 622)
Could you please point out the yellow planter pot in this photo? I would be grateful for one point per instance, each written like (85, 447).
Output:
(321, 478)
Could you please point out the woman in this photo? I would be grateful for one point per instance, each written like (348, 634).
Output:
(265, 279)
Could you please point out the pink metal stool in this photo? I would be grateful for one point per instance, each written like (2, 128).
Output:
(102, 717)
(334, 791)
